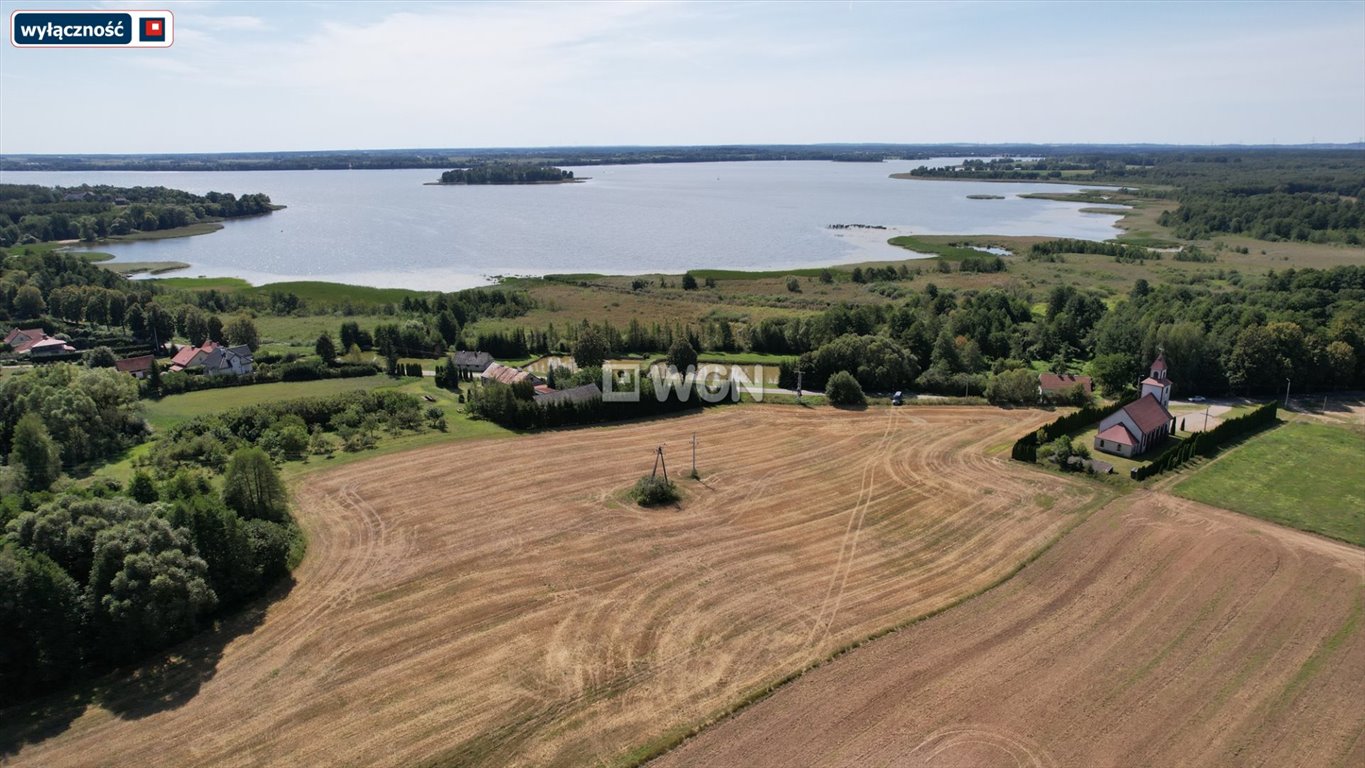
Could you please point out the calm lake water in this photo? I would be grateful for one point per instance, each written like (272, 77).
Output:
(385, 228)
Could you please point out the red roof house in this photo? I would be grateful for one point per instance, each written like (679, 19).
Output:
(138, 367)
(49, 348)
(22, 339)
(1059, 383)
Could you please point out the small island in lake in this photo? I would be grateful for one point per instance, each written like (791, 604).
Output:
(985, 197)
(508, 173)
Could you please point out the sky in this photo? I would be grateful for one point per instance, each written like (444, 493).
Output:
(263, 76)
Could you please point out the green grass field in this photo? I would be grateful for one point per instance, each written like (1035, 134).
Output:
(1303, 475)
(169, 411)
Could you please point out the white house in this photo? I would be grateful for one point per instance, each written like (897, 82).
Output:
(1142, 424)
(214, 359)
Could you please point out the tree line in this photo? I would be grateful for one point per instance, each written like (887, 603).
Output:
(33, 213)
(1267, 194)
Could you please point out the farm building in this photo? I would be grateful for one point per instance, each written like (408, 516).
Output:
(137, 367)
(214, 359)
(507, 375)
(583, 394)
(472, 362)
(1143, 423)
(1059, 384)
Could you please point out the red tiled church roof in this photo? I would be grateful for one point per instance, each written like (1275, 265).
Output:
(1147, 413)
(1118, 434)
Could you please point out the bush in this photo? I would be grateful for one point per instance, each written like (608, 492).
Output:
(654, 491)
(843, 389)
(793, 285)
(1017, 386)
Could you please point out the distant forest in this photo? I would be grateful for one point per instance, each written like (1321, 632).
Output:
(579, 156)
(506, 173)
(1307, 195)
(32, 213)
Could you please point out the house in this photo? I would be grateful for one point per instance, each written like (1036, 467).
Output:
(214, 359)
(139, 367)
(583, 394)
(1060, 384)
(1142, 424)
(49, 348)
(472, 362)
(507, 375)
(20, 339)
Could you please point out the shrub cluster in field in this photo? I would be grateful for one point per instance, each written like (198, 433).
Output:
(843, 389)
(653, 491)
(292, 429)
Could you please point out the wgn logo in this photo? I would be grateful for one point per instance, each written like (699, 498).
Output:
(92, 29)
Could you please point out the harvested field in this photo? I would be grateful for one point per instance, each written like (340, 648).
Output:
(1159, 632)
(499, 603)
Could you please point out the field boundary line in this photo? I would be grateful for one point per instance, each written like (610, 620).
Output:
(671, 741)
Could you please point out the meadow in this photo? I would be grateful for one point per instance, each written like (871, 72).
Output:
(1303, 475)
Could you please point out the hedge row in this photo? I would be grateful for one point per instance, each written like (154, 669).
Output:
(1207, 443)
(1026, 447)
(515, 408)
(178, 383)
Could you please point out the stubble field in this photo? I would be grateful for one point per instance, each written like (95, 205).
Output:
(1159, 632)
(499, 602)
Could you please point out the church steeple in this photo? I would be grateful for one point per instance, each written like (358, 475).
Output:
(1156, 384)
(1158, 371)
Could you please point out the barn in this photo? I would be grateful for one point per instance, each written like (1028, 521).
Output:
(472, 362)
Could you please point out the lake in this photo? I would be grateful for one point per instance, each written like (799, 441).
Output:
(388, 229)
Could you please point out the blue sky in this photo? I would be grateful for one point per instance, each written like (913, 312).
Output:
(248, 76)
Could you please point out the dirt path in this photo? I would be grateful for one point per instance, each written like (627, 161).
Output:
(498, 603)
(1160, 632)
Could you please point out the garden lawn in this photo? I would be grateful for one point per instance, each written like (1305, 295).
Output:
(171, 410)
(1306, 476)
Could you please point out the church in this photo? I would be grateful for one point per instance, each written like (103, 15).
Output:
(1144, 423)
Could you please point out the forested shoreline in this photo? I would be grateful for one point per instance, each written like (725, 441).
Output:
(30, 213)
(1313, 196)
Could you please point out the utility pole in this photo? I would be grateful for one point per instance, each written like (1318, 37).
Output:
(1286, 393)
(694, 454)
(659, 461)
